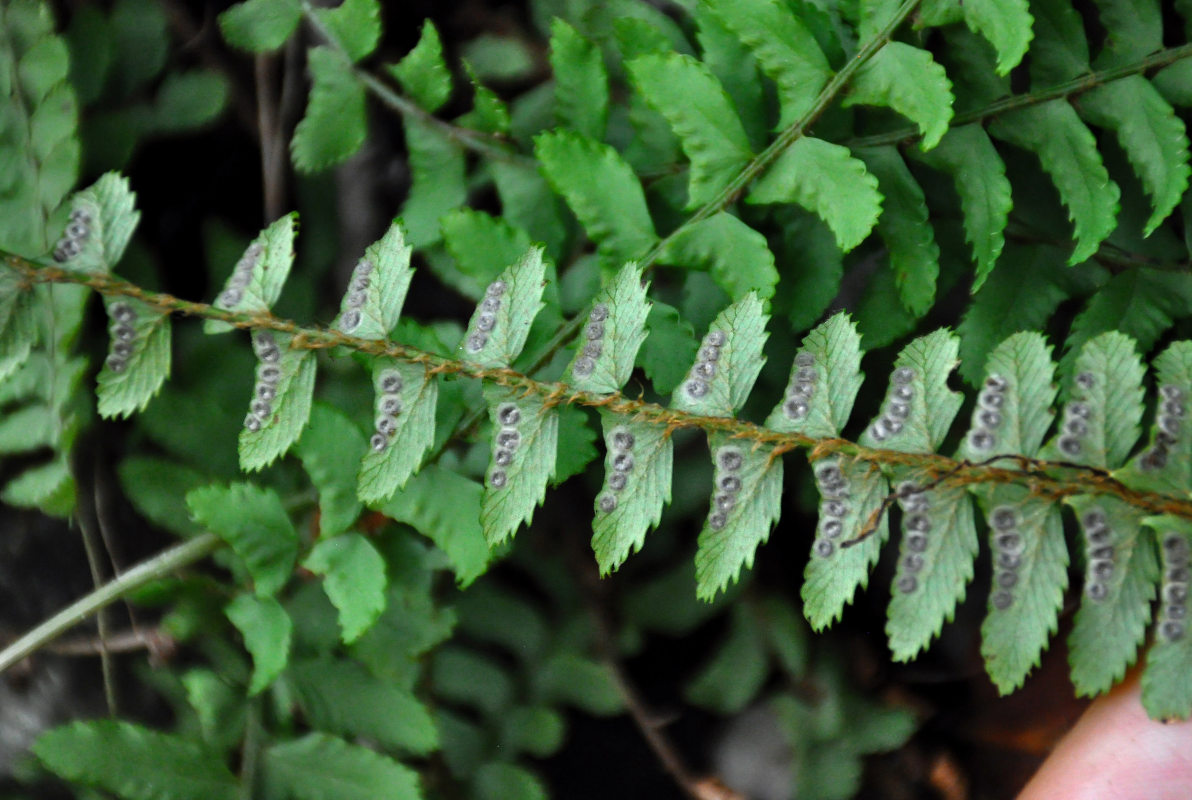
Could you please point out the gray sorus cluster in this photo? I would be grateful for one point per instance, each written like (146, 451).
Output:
(508, 440)
(241, 275)
(268, 375)
(704, 369)
(729, 460)
(1008, 547)
(897, 406)
(1099, 552)
(357, 294)
(1173, 617)
(389, 386)
(1076, 414)
(77, 232)
(1171, 416)
(485, 321)
(594, 346)
(621, 443)
(987, 416)
(834, 489)
(917, 525)
(802, 387)
(122, 331)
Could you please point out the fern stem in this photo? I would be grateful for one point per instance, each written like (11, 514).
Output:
(1044, 478)
(160, 565)
(1073, 87)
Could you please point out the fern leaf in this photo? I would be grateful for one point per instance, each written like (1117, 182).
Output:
(813, 267)
(1134, 30)
(1068, 153)
(824, 381)
(1174, 83)
(734, 254)
(422, 72)
(1166, 691)
(445, 507)
(1013, 411)
(727, 363)
(669, 347)
(746, 504)
(826, 180)
(686, 92)
(482, 246)
(733, 677)
(102, 219)
(908, 80)
(259, 26)
(489, 113)
(334, 126)
(134, 762)
(405, 398)
(500, 324)
(574, 680)
(1104, 404)
(1166, 466)
(322, 767)
(1030, 574)
(267, 629)
(850, 491)
(281, 400)
(139, 359)
(372, 304)
(1061, 50)
(254, 522)
(637, 483)
(736, 69)
(1119, 586)
(50, 488)
(18, 329)
(784, 48)
(581, 82)
(1007, 26)
(497, 781)
(529, 204)
(919, 406)
(906, 230)
(354, 24)
(525, 444)
(342, 697)
(939, 543)
(330, 449)
(1150, 133)
(602, 191)
(437, 181)
(967, 154)
(614, 334)
(354, 579)
(258, 277)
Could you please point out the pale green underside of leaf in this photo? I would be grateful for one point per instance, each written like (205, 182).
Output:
(735, 255)
(1150, 133)
(830, 581)
(1006, 24)
(520, 302)
(523, 487)
(835, 347)
(260, 25)
(383, 473)
(1067, 152)
(906, 229)
(621, 532)
(967, 154)
(602, 190)
(723, 550)
(1172, 367)
(422, 72)
(624, 331)
(686, 92)
(123, 393)
(254, 522)
(135, 762)
(269, 257)
(1166, 690)
(744, 326)
(1014, 638)
(335, 125)
(437, 181)
(933, 405)
(354, 580)
(1024, 362)
(291, 410)
(581, 82)
(322, 767)
(388, 280)
(110, 206)
(825, 179)
(916, 617)
(330, 449)
(267, 631)
(1106, 634)
(784, 48)
(908, 80)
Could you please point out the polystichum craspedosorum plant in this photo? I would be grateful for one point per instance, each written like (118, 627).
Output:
(738, 167)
